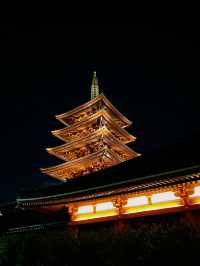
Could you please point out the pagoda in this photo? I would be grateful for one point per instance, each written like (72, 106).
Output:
(100, 187)
(94, 138)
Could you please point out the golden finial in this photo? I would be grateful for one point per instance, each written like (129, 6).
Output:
(95, 86)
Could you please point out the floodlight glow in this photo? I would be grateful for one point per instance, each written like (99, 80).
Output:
(137, 201)
(196, 192)
(104, 206)
(163, 197)
(97, 215)
(85, 209)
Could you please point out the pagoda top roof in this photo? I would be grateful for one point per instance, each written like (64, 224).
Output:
(84, 106)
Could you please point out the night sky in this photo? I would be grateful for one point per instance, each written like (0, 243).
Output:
(149, 72)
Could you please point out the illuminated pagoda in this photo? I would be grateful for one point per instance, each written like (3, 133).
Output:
(106, 179)
(94, 137)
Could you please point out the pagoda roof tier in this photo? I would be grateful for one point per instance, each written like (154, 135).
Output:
(89, 125)
(83, 166)
(91, 107)
(87, 145)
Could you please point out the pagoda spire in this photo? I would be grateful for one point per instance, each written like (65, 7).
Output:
(94, 86)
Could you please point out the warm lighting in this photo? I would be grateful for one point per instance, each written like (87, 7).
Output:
(163, 197)
(85, 209)
(196, 192)
(139, 204)
(97, 215)
(157, 201)
(104, 206)
(100, 210)
(195, 197)
(137, 201)
(155, 207)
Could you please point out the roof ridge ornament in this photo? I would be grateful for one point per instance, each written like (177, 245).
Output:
(94, 86)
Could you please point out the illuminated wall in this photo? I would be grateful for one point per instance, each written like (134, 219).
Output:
(194, 198)
(135, 204)
(152, 202)
(103, 209)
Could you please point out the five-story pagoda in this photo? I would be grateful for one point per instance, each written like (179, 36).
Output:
(94, 137)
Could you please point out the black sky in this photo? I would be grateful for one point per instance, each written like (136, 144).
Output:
(149, 72)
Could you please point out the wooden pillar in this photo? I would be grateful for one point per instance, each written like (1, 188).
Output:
(149, 199)
(119, 203)
(72, 212)
(74, 230)
(119, 225)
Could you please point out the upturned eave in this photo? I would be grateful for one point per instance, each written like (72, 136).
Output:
(79, 162)
(84, 106)
(103, 133)
(94, 117)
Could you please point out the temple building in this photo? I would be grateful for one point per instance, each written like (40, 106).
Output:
(102, 177)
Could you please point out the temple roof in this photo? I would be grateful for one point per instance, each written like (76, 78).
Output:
(180, 159)
(75, 129)
(83, 107)
(102, 133)
(65, 170)
(70, 192)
